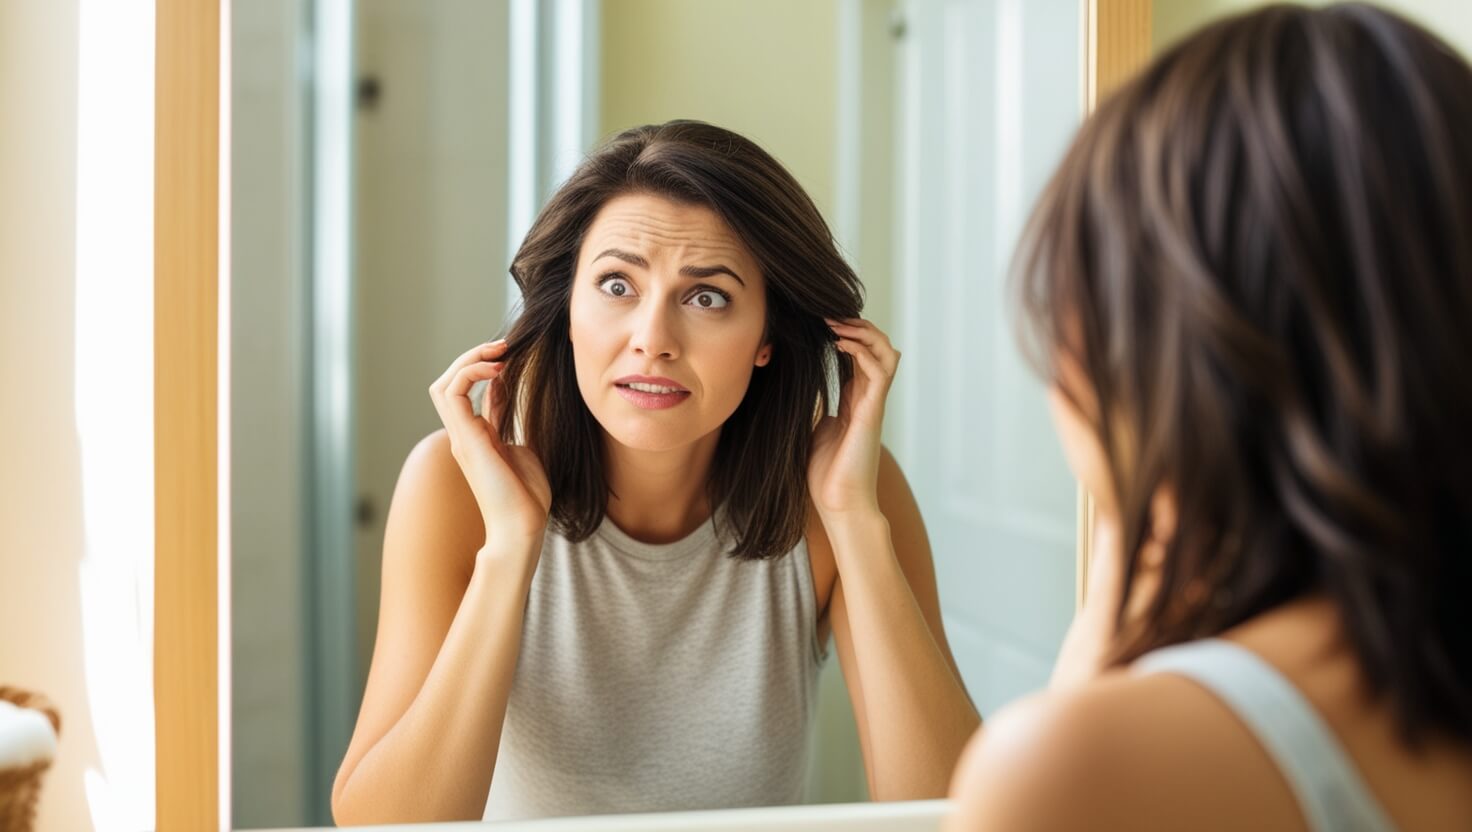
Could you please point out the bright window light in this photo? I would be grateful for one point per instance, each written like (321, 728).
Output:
(114, 400)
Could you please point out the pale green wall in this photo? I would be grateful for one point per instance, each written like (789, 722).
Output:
(768, 69)
(1451, 19)
(764, 68)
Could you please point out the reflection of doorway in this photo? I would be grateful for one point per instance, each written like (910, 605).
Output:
(992, 91)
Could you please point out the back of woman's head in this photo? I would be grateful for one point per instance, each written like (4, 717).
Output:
(1259, 254)
(758, 474)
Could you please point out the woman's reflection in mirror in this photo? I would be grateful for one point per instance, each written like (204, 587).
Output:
(609, 581)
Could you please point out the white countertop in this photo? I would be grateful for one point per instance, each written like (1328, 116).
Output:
(911, 816)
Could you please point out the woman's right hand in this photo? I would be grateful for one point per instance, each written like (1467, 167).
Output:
(508, 481)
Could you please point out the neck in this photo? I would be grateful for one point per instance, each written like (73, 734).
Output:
(659, 496)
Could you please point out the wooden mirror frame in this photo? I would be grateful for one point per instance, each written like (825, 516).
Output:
(1118, 33)
(188, 241)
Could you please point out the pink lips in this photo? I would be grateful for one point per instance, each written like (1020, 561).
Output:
(648, 400)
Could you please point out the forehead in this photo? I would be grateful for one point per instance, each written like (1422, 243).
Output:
(654, 226)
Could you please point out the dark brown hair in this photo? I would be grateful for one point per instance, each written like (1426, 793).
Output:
(759, 474)
(1259, 253)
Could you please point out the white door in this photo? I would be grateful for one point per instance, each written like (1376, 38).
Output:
(991, 92)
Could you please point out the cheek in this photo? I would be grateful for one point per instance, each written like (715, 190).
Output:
(585, 317)
(593, 340)
(727, 378)
(725, 356)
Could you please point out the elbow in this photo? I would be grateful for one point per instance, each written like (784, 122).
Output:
(345, 813)
(342, 807)
(341, 815)
(365, 806)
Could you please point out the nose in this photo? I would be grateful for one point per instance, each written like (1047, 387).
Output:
(654, 334)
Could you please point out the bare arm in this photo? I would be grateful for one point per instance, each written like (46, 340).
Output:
(460, 548)
(914, 715)
(449, 629)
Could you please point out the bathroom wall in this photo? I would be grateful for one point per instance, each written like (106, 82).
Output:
(771, 70)
(76, 434)
(41, 543)
(764, 68)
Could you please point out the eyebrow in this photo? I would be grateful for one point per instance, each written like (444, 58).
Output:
(687, 271)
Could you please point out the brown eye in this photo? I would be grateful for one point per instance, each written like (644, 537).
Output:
(710, 299)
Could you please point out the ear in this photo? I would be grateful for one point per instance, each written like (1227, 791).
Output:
(764, 355)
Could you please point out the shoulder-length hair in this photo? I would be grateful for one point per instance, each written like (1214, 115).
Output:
(759, 473)
(1259, 252)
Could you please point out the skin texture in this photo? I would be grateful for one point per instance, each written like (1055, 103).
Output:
(1104, 749)
(468, 515)
(634, 313)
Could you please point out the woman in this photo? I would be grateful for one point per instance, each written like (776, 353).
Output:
(609, 593)
(1251, 280)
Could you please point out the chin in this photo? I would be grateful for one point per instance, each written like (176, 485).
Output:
(645, 434)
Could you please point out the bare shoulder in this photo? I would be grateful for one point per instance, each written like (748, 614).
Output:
(429, 545)
(1125, 751)
(433, 509)
(1046, 762)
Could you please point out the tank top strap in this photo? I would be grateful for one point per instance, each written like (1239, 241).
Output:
(1324, 780)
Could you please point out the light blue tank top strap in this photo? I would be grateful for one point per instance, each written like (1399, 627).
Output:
(1328, 787)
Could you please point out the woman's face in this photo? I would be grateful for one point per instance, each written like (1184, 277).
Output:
(667, 321)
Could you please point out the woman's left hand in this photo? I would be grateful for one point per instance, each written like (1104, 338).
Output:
(843, 470)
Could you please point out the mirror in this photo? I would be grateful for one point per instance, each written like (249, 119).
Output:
(389, 155)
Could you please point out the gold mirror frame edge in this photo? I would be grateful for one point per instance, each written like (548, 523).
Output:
(186, 394)
(1117, 44)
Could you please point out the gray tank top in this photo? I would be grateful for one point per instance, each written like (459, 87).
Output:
(1329, 789)
(659, 678)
